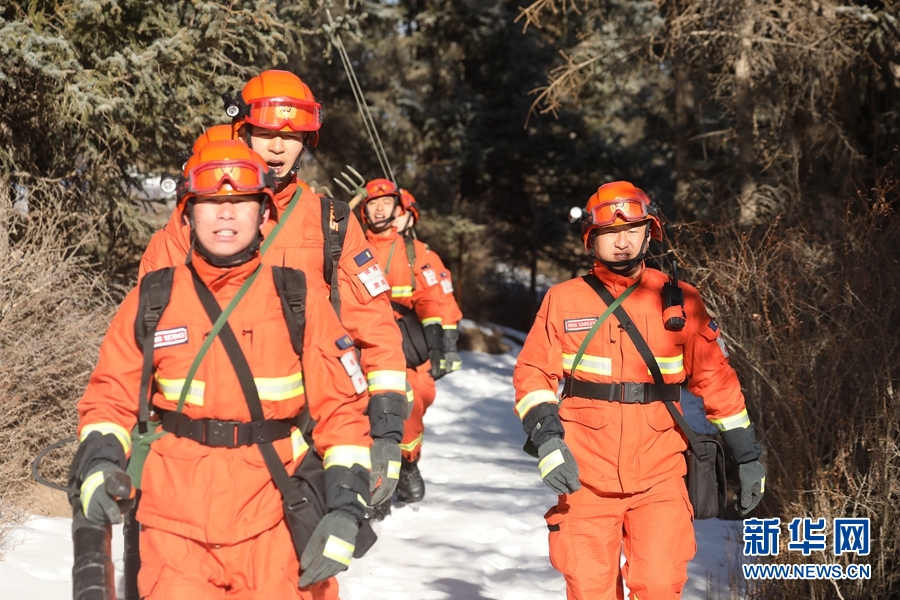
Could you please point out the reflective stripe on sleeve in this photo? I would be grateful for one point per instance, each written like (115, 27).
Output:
(88, 487)
(171, 389)
(738, 421)
(275, 389)
(401, 291)
(431, 321)
(347, 456)
(550, 462)
(103, 428)
(532, 399)
(380, 381)
(598, 365)
(338, 550)
(670, 365)
(298, 444)
(413, 444)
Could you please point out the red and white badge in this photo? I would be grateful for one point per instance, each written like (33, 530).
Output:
(430, 277)
(447, 286)
(170, 337)
(351, 365)
(579, 324)
(373, 279)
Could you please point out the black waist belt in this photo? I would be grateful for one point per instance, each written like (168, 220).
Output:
(226, 434)
(628, 393)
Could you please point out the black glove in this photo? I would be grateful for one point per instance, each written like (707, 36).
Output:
(434, 338)
(558, 467)
(330, 548)
(753, 485)
(386, 457)
(452, 359)
(106, 494)
(98, 473)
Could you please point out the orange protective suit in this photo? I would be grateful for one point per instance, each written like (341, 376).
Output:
(365, 309)
(418, 287)
(221, 503)
(629, 455)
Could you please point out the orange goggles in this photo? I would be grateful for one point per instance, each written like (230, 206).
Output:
(281, 113)
(244, 176)
(379, 189)
(630, 210)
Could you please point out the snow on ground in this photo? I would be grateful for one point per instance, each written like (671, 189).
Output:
(478, 534)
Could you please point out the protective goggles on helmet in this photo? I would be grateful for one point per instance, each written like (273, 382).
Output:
(377, 189)
(630, 210)
(284, 113)
(243, 176)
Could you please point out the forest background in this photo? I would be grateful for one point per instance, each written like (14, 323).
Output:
(766, 129)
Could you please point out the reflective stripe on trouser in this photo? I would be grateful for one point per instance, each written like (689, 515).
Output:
(265, 566)
(655, 527)
(423, 396)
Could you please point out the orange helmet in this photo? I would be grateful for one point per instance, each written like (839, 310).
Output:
(378, 188)
(216, 133)
(225, 168)
(276, 100)
(408, 202)
(617, 203)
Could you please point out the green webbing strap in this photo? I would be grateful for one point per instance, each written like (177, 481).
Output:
(590, 335)
(223, 318)
(387, 267)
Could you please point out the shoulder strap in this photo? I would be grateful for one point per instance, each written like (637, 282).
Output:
(411, 259)
(291, 287)
(154, 294)
(590, 335)
(335, 215)
(628, 326)
(290, 493)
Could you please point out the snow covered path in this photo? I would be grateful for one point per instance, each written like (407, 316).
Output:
(478, 534)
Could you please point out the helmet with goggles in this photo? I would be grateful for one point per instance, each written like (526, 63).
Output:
(379, 188)
(225, 168)
(278, 101)
(616, 203)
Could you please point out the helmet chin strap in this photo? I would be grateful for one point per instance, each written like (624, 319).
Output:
(235, 260)
(621, 267)
(382, 225)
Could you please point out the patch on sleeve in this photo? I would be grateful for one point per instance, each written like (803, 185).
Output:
(713, 325)
(363, 257)
(447, 286)
(711, 332)
(344, 343)
(373, 279)
(579, 324)
(351, 365)
(430, 277)
(722, 347)
(170, 337)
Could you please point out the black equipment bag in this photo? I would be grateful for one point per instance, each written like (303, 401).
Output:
(415, 347)
(705, 457)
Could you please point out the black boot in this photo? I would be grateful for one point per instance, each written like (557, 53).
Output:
(378, 513)
(411, 487)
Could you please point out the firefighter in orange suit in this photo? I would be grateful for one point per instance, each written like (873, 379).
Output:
(619, 472)
(213, 522)
(276, 115)
(414, 286)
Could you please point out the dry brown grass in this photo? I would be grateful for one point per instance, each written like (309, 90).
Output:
(812, 321)
(53, 314)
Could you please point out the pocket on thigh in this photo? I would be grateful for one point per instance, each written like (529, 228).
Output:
(559, 546)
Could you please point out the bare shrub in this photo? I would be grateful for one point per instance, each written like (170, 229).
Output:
(811, 320)
(53, 314)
